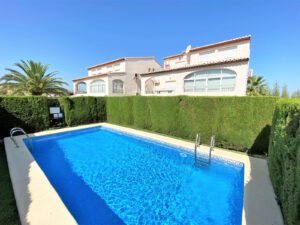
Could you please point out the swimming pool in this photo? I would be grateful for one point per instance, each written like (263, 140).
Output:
(107, 177)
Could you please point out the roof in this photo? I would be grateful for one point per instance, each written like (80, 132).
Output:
(231, 41)
(89, 77)
(120, 60)
(211, 63)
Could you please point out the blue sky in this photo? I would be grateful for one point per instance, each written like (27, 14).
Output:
(71, 35)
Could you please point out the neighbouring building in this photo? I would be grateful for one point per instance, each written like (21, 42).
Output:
(219, 69)
(117, 77)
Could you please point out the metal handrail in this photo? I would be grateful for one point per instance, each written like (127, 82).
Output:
(197, 158)
(212, 145)
(197, 143)
(19, 129)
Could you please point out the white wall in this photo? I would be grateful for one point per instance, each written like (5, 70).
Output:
(114, 67)
(165, 78)
(138, 66)
(229, 51)
(131, 83)
(88, 87)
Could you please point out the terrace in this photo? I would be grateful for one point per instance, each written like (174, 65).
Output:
(42, 171)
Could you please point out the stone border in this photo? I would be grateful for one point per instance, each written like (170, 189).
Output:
(38, 202)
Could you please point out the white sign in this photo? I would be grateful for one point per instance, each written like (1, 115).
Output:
(54, 110)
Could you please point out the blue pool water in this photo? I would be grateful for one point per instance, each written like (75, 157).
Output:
(107, 177)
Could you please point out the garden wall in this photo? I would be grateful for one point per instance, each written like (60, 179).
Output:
(284, 158)
(239, 123)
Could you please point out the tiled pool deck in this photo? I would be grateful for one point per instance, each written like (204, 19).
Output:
(38, 202)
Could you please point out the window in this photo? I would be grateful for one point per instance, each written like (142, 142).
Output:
(117, 67)
(213, 84)
(109, 68)
(228, 52)
(81, 88)
(118, 86)
(98, 86)
(99, 71)
(210, 81)
(206, 56)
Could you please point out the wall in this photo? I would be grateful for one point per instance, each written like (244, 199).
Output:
(193, 57)
(139, 66)
(241, 70)
(108, 68)
(88, 82)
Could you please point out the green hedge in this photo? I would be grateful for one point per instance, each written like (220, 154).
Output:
(30, 113)
(239, 123)
(83, 110)
(284, 158)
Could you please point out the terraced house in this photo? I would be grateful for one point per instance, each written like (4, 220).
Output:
(219, 69)
(117, 77)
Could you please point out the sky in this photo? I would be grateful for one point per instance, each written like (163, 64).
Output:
(71, 35)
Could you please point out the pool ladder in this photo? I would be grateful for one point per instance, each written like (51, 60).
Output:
(200, 158)
(19, 130)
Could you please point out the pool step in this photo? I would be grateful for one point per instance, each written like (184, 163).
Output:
(202, 159)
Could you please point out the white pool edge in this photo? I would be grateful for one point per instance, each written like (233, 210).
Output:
(39, 203)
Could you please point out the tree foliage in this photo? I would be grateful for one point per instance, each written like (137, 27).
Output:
(276, 90)
(285, 92)
(296, 94)
(32, 78)
(256, 86)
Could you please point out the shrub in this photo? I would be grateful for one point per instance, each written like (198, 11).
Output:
(284, 158)
(239, 123)
(83, 110)
(119, 110)
(30, 113)
(141, 113)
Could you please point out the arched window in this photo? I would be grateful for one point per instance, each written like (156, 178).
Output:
(81, 88)
(149, 86)
(98, 86)
(210, 81)
(118, 86)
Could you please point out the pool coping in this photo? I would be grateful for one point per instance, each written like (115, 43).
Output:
(32, 188)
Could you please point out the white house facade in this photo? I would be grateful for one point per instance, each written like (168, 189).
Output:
(114, 78)
(219, 69)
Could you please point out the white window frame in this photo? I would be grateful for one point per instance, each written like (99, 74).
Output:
(206, 77)
(117, 67)
(98, 88)
(78, 88)
(222, 52)
(117, 91)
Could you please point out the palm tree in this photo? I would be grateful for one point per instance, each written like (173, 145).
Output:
(256, 86)
(32, 78)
